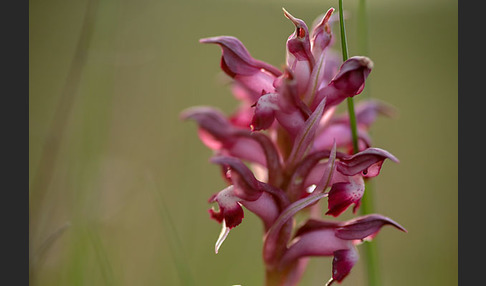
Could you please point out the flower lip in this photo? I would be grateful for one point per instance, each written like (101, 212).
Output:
(229, 209)
(343, 194)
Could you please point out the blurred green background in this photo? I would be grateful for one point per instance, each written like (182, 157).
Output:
(119, 185)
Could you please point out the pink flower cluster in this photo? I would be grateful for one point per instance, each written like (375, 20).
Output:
(285, 149)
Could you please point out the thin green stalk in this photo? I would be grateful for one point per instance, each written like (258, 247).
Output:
(352, 122)
(367, 202)
(344, 47)
(370, 248)
(371, 254)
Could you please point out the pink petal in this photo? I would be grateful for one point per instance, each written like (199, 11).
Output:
(298, 43)
(229, 209)
(321, 242)
(299, 56)
(365, 226)
(247, 186)
(352, 75)
(341, 133)
(321, 34)
(292, 111)
(348, 82)
(343, 194)
(321, 178)
(253, 75)
(272, 155)
(368, 162)
(237, 59)
(305, 137)
(264, 111)
(242, 117)
(265, 207)
(255, 85)
(317, 224)
(315, 79)
(218, 133)
(342, 263)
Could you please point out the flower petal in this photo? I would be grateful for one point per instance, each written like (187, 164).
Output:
(265, 207)
(222, 236)
(253, 75)
(315, 79)
(299, 56)
(264, 111)
(319, 242)
(342, 263)
(300, 177)
(348, 82)
(352, 75)
(272, 156)
(247, 186)
(341, 133)
(322, 179)
(229, 209)
(343, 194)
(317, 224)
(219, 134)
(242, 117)
(365, 226)
(237, 59)
(368, 162)
(298, 43)
(305, 137)
(292, 111)
(321, 34)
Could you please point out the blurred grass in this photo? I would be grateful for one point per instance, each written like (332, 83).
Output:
(144, 65)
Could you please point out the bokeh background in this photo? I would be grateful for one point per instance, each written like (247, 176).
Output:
(119, 185)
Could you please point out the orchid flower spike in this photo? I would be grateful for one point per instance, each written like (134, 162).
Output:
(285, 150)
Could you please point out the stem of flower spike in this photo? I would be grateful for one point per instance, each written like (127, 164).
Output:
(367, 202)
(344, 47)
(371, 255)
(370, 248)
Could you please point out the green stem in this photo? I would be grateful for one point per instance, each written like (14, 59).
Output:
(352, 122)
(344, 46)
(370, 248)
(371, 253)
(367, 202)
